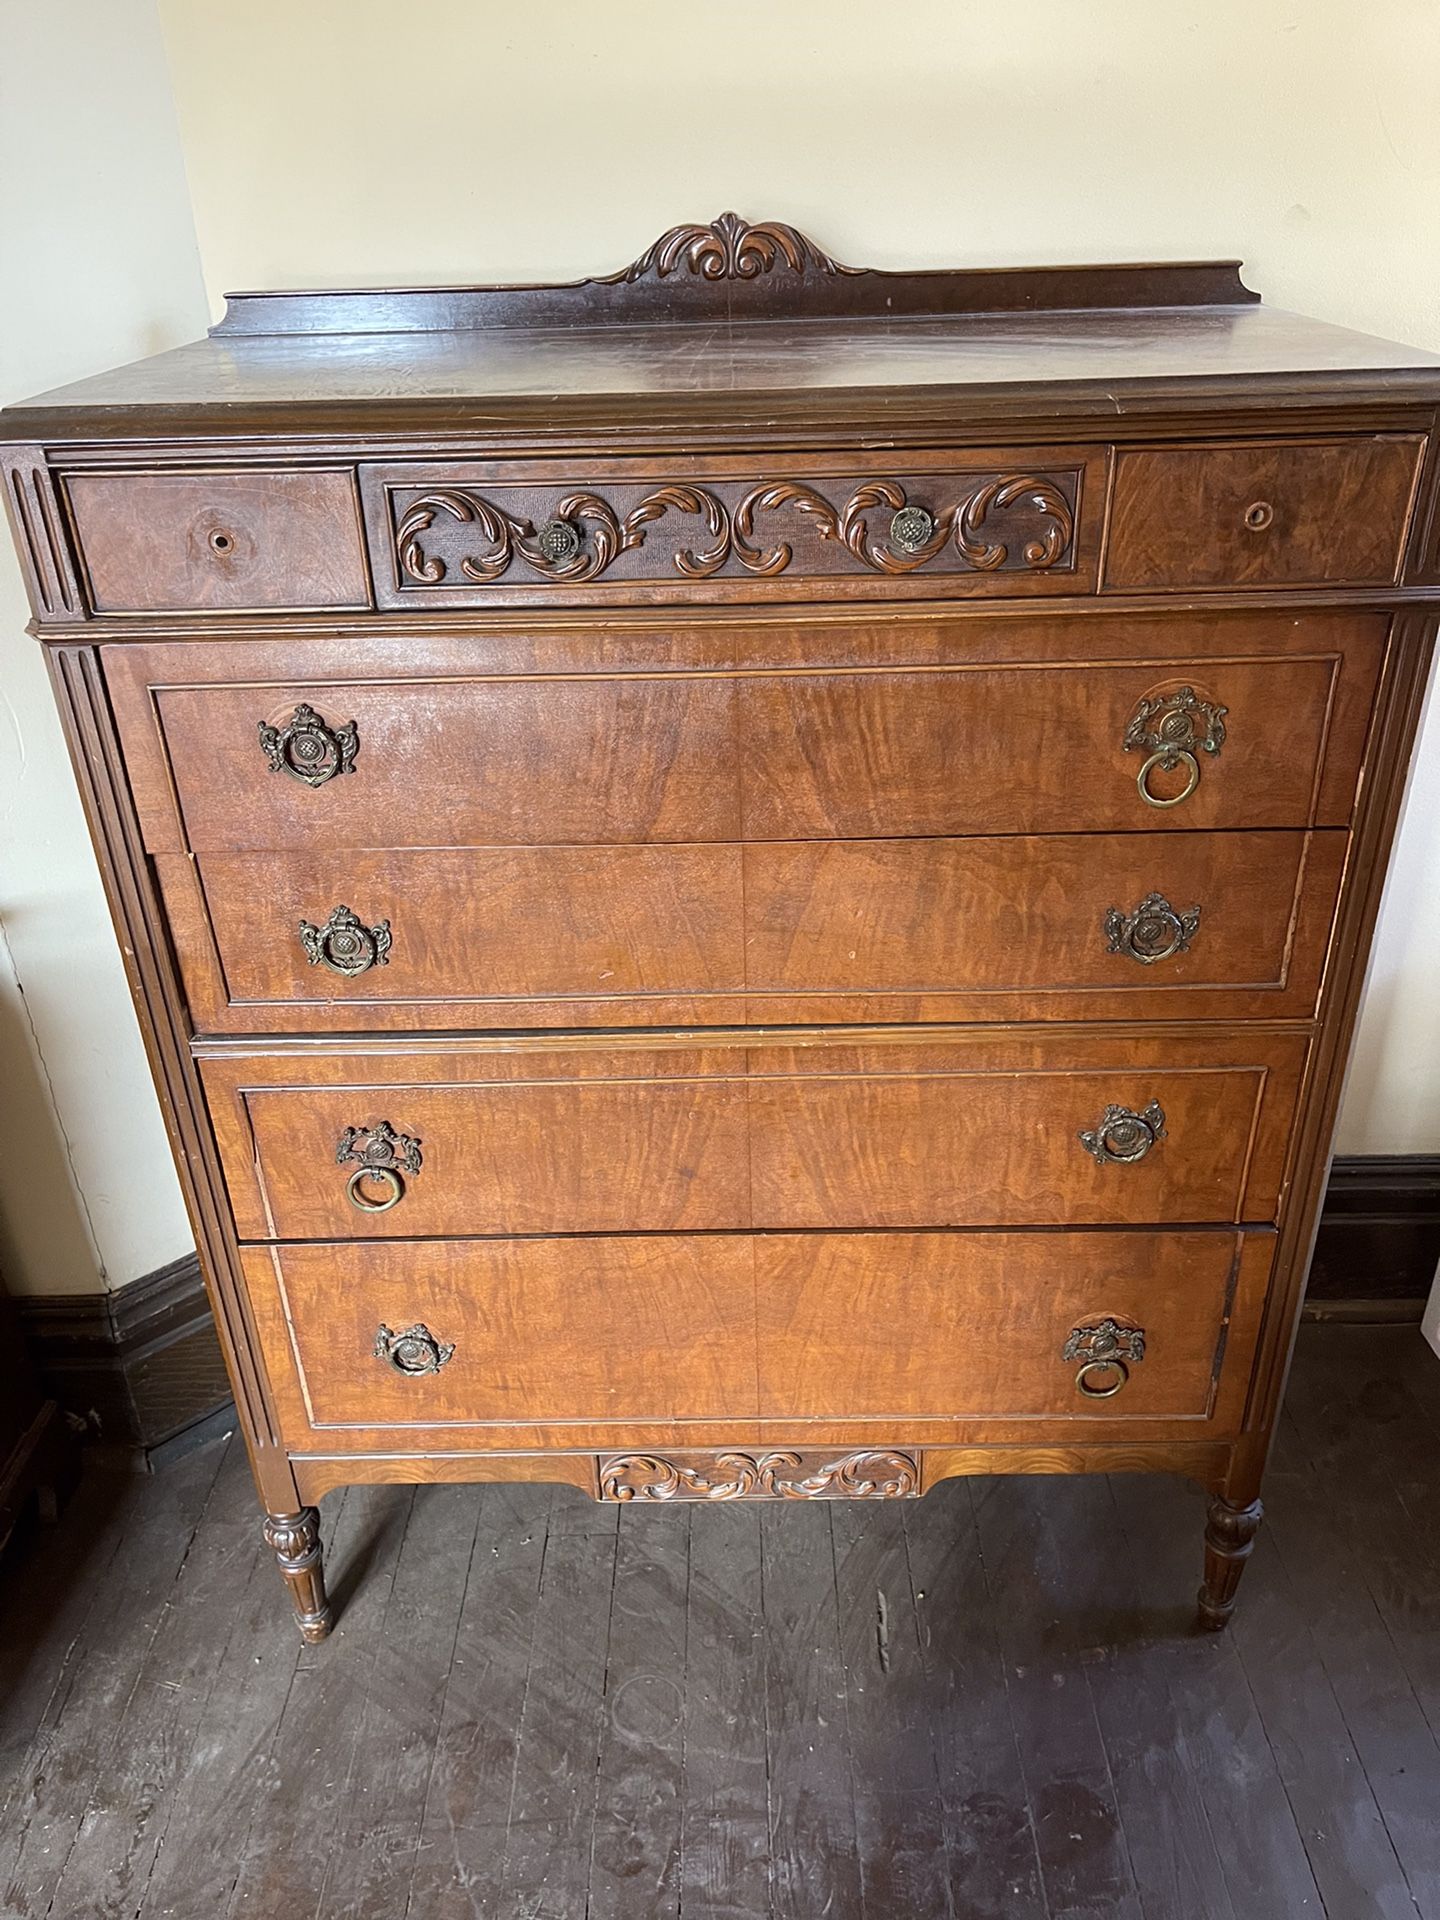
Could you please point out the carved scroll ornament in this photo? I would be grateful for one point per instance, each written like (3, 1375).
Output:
(878, 524)
(729, 249)
(766, 1476)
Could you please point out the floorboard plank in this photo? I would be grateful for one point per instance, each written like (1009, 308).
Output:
(1392, 1738)
(991, 1855)
(814, 1868)
(1084, 1862)
(108, 1871)
(50, 1587)
(304, 1764)
(460, 1862)
(1266, 1867)
(899, 1821)
(1126, 1647)
(1416, 1362)
(81, 1742)
(725, 1846)
(1366, 1443)
(1351, 1854)
(635, 1863)
(399, 1717)
(550, 1831)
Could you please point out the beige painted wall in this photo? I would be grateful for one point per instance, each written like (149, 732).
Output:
(97, 265)
(345, 140)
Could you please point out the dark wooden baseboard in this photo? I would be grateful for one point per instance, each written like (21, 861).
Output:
(142, 1367)
(1379, 1237)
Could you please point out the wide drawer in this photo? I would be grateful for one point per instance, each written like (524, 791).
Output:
(218, 542)
(1262, 513)
(845, 1131)
(1208, 925)
(987, 521)
(1165, 741)
(536, 1340)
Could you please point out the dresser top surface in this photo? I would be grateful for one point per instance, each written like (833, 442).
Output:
(769, 334)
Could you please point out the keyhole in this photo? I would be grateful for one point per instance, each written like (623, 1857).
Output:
(1258, 515)
(221, 542)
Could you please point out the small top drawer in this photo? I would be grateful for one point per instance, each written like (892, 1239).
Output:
(1301, 513)
(218, 542)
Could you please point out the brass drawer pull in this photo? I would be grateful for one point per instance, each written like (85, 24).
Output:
(1171, 730)
(1106, 1352)
(415, 1350)
(309, 750)
(912, 528)
(345, 944)
(1154, 931)
(559, 542)
(1124, 1135)
(384, 1157)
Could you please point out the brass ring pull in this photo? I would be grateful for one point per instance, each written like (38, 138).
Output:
(383, 1157)
(1106, 1351)
(1169, 759)
(385, 1177)
(1116, 1367)
(1172, 730)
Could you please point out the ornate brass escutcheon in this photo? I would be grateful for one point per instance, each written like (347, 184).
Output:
(415, 1350)
(309, 750)
(384, 1157)
(1106, 1351)
(1171, 730)
(345, 944)
(1154, 931)
(1123, 1134)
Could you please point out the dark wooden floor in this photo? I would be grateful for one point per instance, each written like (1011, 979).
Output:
(987, 1703)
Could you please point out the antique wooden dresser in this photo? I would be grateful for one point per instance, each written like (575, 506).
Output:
(749, 879)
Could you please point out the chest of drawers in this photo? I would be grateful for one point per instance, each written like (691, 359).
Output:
(748, 880)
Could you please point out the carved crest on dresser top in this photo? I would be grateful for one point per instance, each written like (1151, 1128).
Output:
(733, 268)
(729, 248)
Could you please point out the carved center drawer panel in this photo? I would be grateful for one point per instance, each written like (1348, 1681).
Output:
(1005, 521)
(1209, 925)
(965, 1131)
(480, 1334)
(1032, 748)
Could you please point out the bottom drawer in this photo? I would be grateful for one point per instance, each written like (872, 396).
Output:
(650, 1339)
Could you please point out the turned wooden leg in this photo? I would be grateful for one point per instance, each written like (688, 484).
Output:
(294, 1539)
(1229, 1541)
